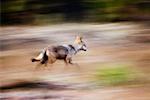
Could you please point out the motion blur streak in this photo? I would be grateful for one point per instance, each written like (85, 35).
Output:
(115, 66)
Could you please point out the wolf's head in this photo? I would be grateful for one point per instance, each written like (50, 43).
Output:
(80, 43)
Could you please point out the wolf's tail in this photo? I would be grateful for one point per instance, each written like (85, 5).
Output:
(41, 57)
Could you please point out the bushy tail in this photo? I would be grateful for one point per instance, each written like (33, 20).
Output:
(41, 57)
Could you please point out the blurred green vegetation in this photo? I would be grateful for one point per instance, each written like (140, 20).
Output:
(48, 11)
(115, 75)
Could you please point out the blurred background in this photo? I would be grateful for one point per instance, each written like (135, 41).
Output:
(56, 11)
(116, 65)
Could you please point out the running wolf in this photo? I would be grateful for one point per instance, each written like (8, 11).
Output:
(61, 52)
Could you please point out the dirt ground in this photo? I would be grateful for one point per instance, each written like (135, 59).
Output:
(114, 43)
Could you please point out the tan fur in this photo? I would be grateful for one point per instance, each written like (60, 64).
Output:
(51, 57)
(78, 40)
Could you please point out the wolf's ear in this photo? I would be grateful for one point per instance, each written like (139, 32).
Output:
(78, 39)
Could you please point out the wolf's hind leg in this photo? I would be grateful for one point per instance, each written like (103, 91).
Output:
(38, 66)
(51, 60)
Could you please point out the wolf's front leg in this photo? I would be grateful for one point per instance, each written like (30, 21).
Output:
(70, 62)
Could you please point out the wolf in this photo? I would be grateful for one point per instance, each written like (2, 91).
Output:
(61, 52)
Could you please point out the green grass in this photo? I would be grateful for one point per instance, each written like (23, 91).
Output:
(114, 75)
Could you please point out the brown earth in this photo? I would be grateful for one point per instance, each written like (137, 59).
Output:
(107, 44)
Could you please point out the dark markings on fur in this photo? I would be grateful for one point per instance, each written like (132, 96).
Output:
(44, 59)
(72, 47)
